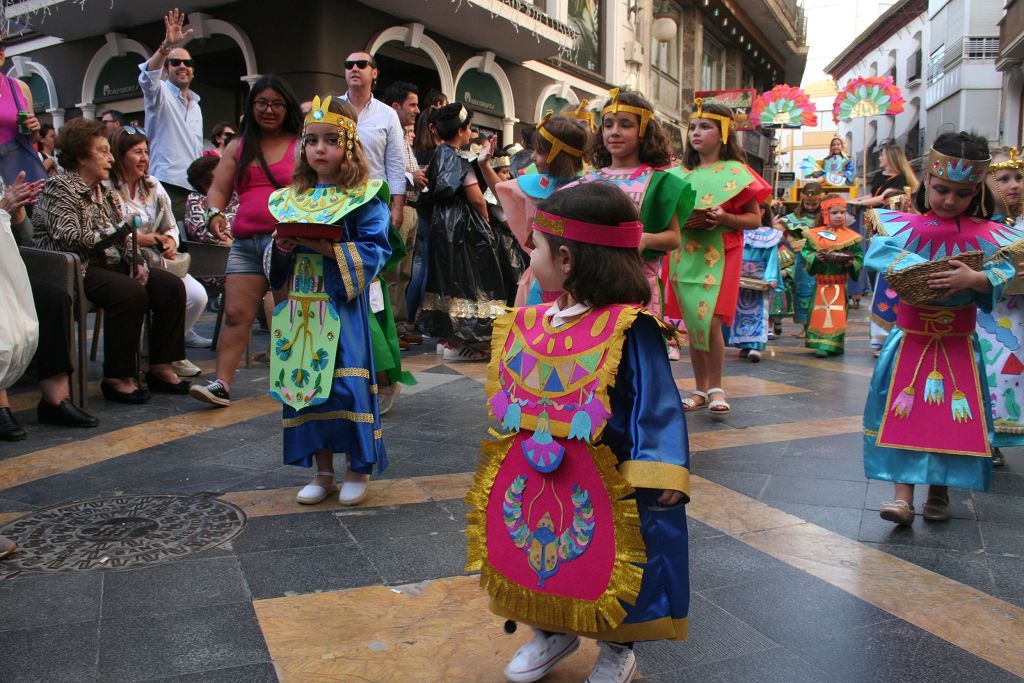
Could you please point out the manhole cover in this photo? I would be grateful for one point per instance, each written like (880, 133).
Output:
(119, 532)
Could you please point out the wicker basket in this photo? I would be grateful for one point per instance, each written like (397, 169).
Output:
(912, 283)
(1015, 252)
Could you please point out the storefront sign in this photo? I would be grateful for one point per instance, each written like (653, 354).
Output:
(119, 79)
(740, 101)
(479, 91)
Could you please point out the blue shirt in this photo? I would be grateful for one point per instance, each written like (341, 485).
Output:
(383, 141)
(174, 129)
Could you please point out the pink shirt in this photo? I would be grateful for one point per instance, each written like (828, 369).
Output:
(9, 109)
(253, 217)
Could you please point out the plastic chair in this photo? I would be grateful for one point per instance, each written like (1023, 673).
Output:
(65, 269)
(211, 261)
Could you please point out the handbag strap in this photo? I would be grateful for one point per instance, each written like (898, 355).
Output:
(15, 93)
(266, 169)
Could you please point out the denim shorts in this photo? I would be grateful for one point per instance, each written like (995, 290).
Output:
(246, 255)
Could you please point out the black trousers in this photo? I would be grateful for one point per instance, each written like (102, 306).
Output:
(125, 302)
(53, 308)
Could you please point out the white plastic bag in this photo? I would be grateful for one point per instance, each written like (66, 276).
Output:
(19, 327)
(376, 297)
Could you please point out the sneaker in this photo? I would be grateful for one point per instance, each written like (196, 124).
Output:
(185, 368)
(387, 396)
(194, 340)
(440, 348)
(215, 392)
(615, 664)
(535, 659)
(464, 353)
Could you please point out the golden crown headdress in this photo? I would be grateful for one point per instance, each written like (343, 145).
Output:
(584, 114)
(956, 170)
(348, 133)
(699, 113)
(615, 106)
(557, 145)
(1015, 162)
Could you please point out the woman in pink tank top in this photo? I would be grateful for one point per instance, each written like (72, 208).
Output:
(254, 164)
(16, 151)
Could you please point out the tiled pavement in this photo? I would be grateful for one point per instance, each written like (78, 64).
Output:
(794, 576)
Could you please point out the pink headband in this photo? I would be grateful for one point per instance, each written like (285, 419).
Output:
(621, 235)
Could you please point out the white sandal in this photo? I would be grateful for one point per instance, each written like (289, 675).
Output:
(719, 407)
(691, 406)
(311, 494)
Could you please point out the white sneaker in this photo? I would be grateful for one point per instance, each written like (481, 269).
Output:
(194, 340)
(353, 492)
(535, 659)
(185, 368)
(615, 664)
(311, 494)
(464, 353)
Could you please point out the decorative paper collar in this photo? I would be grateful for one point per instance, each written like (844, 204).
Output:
(621, 235)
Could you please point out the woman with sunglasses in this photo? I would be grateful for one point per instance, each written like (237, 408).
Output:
(255, 163)
(173, 116)
(223, 133)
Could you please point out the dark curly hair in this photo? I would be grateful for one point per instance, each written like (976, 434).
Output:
(655, 146)
(75, 141)
(600, 275)
(965, 146)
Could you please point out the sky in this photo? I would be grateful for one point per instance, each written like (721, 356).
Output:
(831, 27)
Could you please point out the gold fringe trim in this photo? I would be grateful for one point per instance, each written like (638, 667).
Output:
(573, 614)
(332, 415)
(456, 307)
(357, 262)
(648, 474)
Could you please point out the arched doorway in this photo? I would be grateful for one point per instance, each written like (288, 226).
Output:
(484, 87)
(405, 53)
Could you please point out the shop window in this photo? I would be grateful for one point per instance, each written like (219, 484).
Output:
(665, 73)
(712, 73)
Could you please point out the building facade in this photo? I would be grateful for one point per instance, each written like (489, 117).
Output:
(1010, 64)
(508, 60)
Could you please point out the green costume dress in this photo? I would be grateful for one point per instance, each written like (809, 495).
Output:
(705, 270)
(387, 356)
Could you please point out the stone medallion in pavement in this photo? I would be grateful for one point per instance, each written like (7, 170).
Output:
(118, 532)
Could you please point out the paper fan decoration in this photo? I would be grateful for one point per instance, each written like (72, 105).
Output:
(867, 96)
(784, 106)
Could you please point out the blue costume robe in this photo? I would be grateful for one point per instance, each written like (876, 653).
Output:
(897, 240)
(348, 421)
(749, 329)
(797, 225)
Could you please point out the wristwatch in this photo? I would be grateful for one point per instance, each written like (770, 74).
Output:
(164, 49)
(211, 212)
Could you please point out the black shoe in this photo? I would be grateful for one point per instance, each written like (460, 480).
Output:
(214, 393)
(160, 386)
(997, 458)
(10, 430)
(64, 414)
(137, 397)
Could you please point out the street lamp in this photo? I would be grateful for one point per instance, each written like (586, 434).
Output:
(664, 28)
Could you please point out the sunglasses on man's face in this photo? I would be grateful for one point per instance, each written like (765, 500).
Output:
(178, 62)
(361, 63)
(134, 130)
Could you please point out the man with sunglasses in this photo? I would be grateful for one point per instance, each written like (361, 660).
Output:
(174, 121)
(380, 131)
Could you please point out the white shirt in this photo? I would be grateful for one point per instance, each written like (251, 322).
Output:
(174, 128)
(155, 205)
(383, 142)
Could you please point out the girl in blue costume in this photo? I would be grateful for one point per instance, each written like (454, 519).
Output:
(598, 442)
(928, 418)
(749, 329)
(558, 154)
(331, 242)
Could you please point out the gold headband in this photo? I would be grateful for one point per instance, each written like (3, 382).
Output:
(583, 114)
(956, 170)
(348, 133)
(1015, 162)
(615, 106)
(699, 113)
(557, 146)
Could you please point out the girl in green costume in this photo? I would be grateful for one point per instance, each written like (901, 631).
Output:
(705, 270)
(387, 355)
(632, 152)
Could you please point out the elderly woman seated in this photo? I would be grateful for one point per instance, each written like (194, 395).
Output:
(76, 212)
(142, 195)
